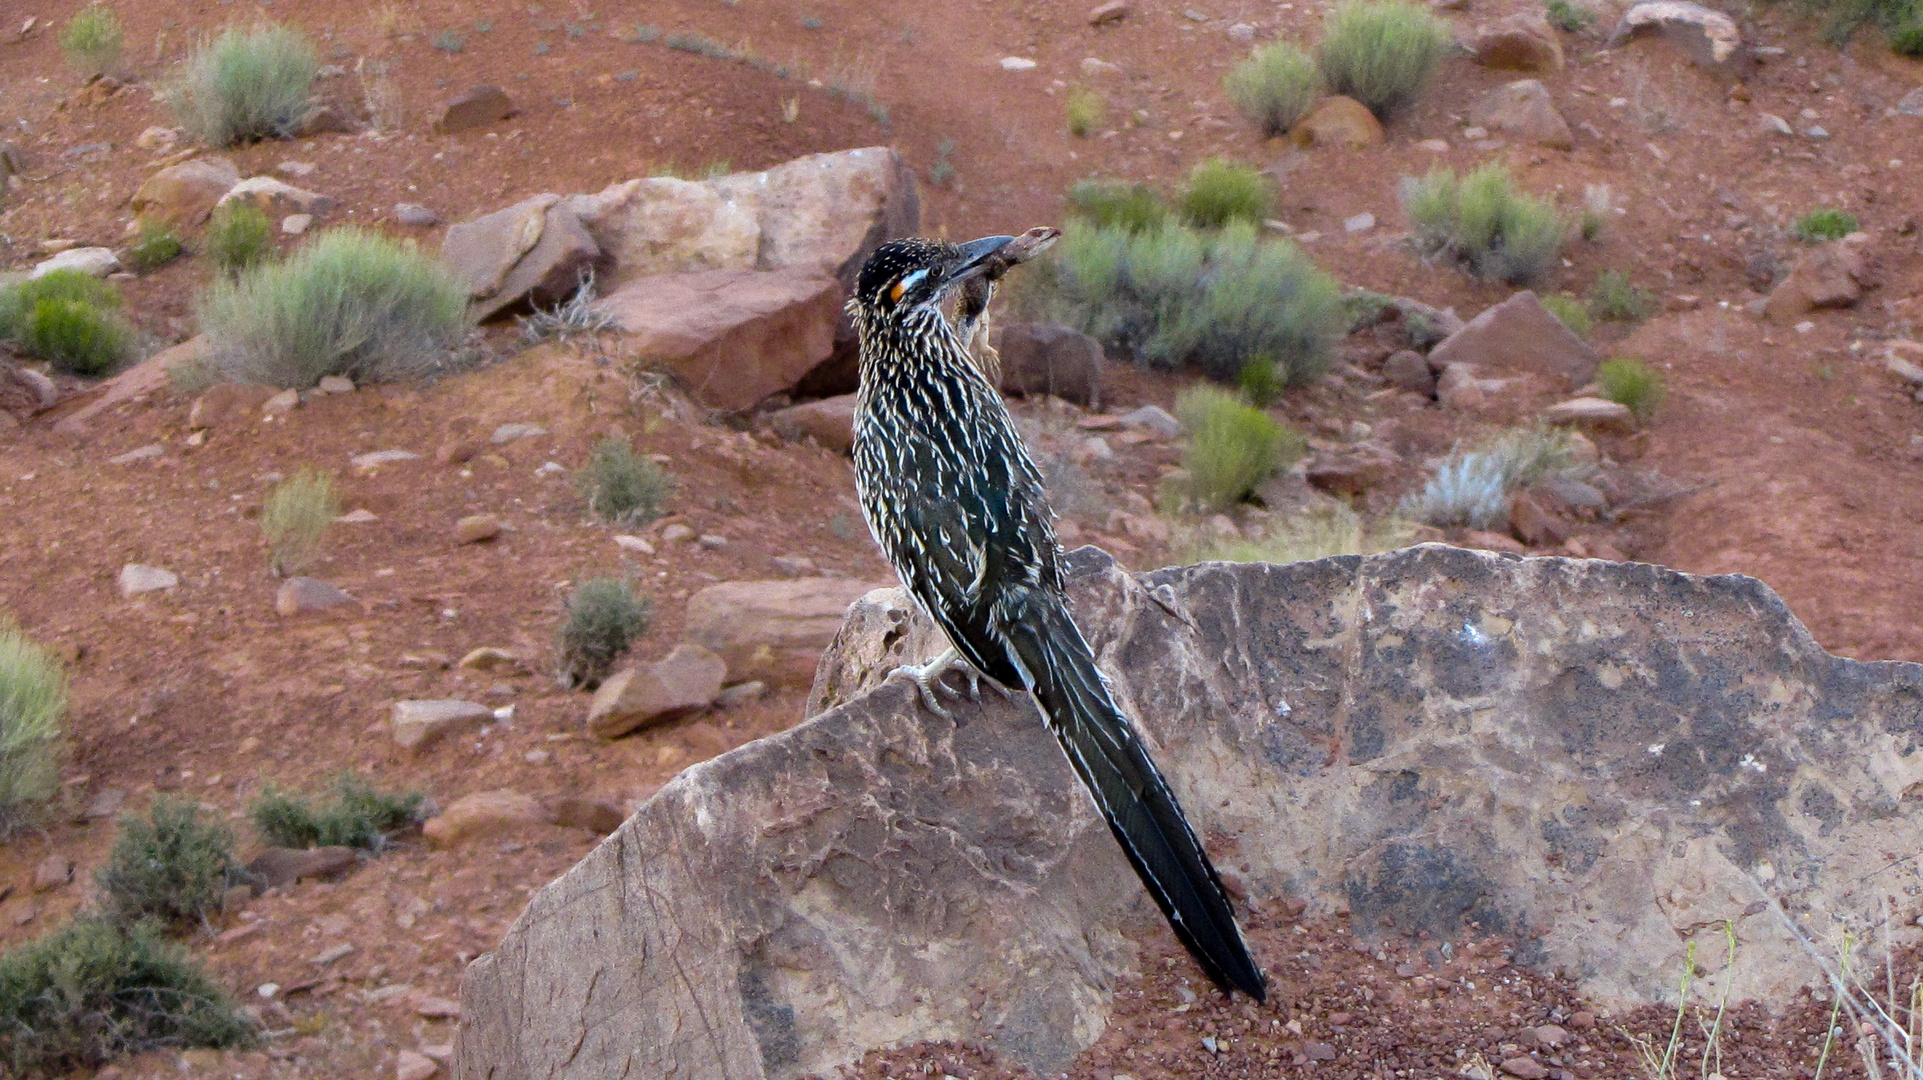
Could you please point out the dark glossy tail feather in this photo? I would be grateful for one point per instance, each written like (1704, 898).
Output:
(1132, 795)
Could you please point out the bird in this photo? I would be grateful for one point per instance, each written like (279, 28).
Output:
(957, 505)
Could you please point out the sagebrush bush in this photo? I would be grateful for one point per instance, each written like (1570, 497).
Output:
(349, 302)
(1118, 205)
(1570, 312)
(33, 700)
(1484, 224)
(1381, 52)
(603, 618)
(295, 515)
(1232, 447)
(171, 866)
(1633, 383)
(91, 40)
(95, 990)
(1219, 191)
(1614, 298)
(69, 319)
(353, 814)
(623, 487)
(1275, 87)
(1085, 109)
(156, 246)
(238, 235)
(1825, 223)
(1471, 487)
(245, 85)
(1175, 295)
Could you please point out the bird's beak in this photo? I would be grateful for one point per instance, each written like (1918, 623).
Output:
(976, 257)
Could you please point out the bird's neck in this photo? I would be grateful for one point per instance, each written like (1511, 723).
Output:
(918, 346)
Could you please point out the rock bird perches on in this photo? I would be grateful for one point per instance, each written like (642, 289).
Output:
(958, 507)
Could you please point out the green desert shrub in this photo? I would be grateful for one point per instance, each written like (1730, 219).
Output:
(1900, 20)
(1232, 447)
(623, 487)
(95, 990)
(1908, 40)
(1176, 295)
(171, 867)
(1220, 191)
(294, 516)
(1275, 87)
(1633, 383)
(33, 700)
(1570, 18)
(1381, 52)
(353, 814)
(91, 40)
(1614, 298)
(238, 235)
(1825, 223)
(69, 319)
(1484, 224)
(1471, 487)
(245, 85)
(156, 246)
(1118, 205)
(350, 302)
(603, 618)
(1085, 110)
(1570, 312)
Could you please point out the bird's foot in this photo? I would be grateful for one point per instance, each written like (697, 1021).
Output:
(927, 678)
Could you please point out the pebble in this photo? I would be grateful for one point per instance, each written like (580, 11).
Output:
(1359, 223)
(303, 595)
(371, 461)
(676, 533)
(1525, 1068)
(741, 694)
(296, 224)
(409, 1065)
(713, 541)
(1017, 63)
(144, 453)
(328, 956)
(507, 433)
(296, 168)
(476, 528)
(284, 402)
(416, 215)
(136, 579)
(794, 565)
(1153, 418)
(335, 384)
(52, 872)
(1113, 11)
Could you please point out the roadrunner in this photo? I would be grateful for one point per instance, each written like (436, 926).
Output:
(957, 505)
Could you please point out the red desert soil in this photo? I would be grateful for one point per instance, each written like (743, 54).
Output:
(1801, 456)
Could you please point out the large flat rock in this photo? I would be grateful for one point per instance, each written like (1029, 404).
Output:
(1601, 761)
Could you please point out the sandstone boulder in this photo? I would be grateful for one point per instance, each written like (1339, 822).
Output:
(1519, 335)
(1043, 358)
(275, 197)
(773, 631)
(486, 813)
(92, 261)
(1604, 761)
(731, 337)
(416, 725)
(830, 422)
(1708, 37)
(1825, 276)
(686, 679)
(1338, 121)
(1523, 111)
(1355, 469)
(1409, 370)
(1522, 42)
(182, 195)
(24, 391)
(534, 252)
(478, 107)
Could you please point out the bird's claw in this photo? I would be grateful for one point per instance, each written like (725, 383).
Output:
(926, 682)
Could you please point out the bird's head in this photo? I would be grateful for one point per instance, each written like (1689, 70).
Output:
(913, 274)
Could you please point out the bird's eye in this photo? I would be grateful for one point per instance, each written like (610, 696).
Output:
(907, 282)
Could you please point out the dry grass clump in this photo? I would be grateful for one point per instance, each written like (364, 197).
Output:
(1381, 52)
(33, 700)
(1614, 298)
(1275, 87)
(350, 302)
(245, 85)
(623, 487)
(294, 516)
(603, 618)
(1085, 110)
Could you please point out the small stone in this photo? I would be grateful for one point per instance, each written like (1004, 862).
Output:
(507, 433)
(52, 872)
(1582, 1020)
(281, 404)
(487, 658)
(157, 138)
(416, 215)
(436, 1008)
(1243, 33)
(687, 679)
(372, 461)
(478, 107)
(328, 956)
(325, 119)
(1017, 63)
(360, 516)
(486, 813)
(1525, 1068)
(144, 453)
(712, 541)
(589, 815)
(305, 595)
(409, 1065)
(1594, 414)
(1523, 42)
(1112, 12)
(741, 694)
(1153, 418)
(1409, 370)
(1549, 1035)
(104, 805)
(1095, 66)
(96, 261)
(676, 533)
(1359, 223)
(296, 224)
(279, 866)
(794, 565)
(418, 724)
(1911, 103)
(335, 384)
(637, 544)
(1338, 121)
(1319, 1051)
(1434, 146)
(1771, 122)
(476, 528)
(296, 168)
(136, 579)
(457, 451)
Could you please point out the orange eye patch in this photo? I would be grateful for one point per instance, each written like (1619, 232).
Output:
(900, 287)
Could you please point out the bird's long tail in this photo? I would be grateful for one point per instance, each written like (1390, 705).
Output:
(1131, 793)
